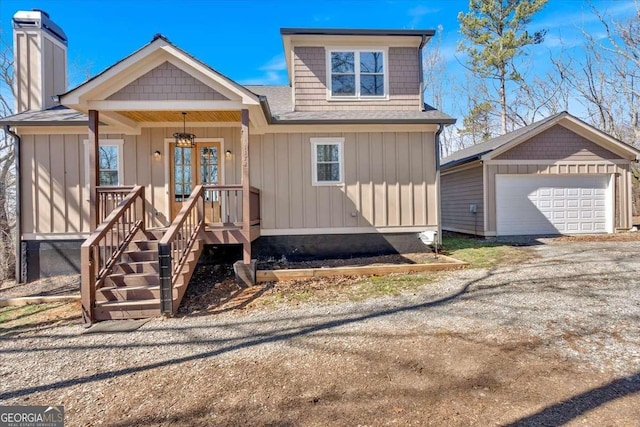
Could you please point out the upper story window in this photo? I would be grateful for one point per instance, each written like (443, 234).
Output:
(357, 74)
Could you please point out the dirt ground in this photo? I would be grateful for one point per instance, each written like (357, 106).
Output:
(551, 341)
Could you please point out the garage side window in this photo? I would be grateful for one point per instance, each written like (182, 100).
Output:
(327, 161)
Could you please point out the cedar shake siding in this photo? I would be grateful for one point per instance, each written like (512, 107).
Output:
(558, 143)
(310, 82)
(459, 190)
(166, 82)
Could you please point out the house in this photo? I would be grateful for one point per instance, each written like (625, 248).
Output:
(556, 176)
(127, 176)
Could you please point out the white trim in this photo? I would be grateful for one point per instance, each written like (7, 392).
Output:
(611, 207)
(73, 130)
(357, 50)
(345, 230)
(463, 230)
(460, 168)
(292, 79)
(558, 162)
(270, 129)
(485, 197)
(55, 236)
(629, 199)
(119, 143)
(163, 105)
(344, 128)
(339, 141)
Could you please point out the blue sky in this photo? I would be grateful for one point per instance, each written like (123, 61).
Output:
(241, 38)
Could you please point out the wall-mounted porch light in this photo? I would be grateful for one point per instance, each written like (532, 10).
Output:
(228, 154)
(184, 139)
(157, 155)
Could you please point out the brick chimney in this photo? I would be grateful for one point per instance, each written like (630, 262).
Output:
(40, 60)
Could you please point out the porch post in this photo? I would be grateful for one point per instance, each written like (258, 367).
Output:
(246, 205)
(94, 150)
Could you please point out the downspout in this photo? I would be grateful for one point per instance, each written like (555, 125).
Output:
(437, 153)
(18, 231)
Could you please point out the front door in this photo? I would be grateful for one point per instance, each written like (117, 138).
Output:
(191, 167)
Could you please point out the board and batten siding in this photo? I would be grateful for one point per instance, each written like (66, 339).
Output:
(460, 189)
(310, 82)
(54, 193)
(389, 182)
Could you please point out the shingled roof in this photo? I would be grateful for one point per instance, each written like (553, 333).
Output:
(478, 151)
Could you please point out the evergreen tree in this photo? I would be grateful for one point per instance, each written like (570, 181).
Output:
(494, 36)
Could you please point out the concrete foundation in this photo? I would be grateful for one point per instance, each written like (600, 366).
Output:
(50, 258)
(309, 247)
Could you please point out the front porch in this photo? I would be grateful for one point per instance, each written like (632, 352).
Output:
(132, 271)
(133, 268)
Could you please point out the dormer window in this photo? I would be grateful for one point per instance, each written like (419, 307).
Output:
(359, 74)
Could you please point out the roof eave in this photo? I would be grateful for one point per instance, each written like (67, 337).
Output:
(355, 32)
(366, 121)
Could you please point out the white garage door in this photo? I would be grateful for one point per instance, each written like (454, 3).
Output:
(553, 204)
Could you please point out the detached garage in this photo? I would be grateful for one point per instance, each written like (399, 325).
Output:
(556, 176)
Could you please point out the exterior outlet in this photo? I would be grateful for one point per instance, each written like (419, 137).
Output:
(40, 54)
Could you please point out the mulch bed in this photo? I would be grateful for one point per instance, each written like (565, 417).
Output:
(213, 286)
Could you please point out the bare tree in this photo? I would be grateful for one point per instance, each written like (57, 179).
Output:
(7, 169)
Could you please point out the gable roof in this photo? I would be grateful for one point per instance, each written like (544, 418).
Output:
(276, 102)
(498, 145)
(158, 50)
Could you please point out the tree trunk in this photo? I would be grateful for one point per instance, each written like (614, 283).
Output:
(503, 103)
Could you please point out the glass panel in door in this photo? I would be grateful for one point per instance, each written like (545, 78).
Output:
(194, 166)
(209, 173)
(182, 177)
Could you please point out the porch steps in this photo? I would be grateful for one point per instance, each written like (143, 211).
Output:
(132, 290)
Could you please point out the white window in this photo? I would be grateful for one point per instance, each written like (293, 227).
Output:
(359, 74)
(110, 162)
(327, 161)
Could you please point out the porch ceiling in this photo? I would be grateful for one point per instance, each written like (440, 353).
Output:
(176, 116)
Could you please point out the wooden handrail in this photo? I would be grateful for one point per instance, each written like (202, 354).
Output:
(115, 188)
(110, 220)
(177, 243)
(103, 249)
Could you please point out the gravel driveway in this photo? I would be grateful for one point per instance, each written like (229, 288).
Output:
(546, 342)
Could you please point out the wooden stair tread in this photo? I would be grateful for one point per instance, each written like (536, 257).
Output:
(119, 275)
(125, 304)
(128, 288)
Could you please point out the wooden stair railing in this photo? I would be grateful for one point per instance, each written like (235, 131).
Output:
(103, 249)
(176, 246)
(109, 198)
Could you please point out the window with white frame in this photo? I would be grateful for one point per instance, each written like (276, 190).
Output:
(357, 73)
(327, 161)
(110, 162)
